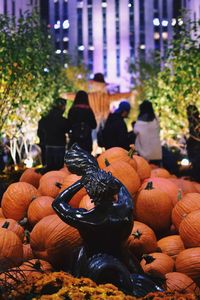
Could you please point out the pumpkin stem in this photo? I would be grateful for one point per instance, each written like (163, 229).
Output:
(149, 186)
(107, 162)
(137, 234)
(132, 151)
(23, 221)
(58, 184)
(27, 236)
(148, 258)
(6, 224)
(179, 196)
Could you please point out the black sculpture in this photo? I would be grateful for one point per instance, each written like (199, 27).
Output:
(103, 228)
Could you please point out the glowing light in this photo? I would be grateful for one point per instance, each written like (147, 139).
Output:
(66, 66)
(64, 51)
(180, 22)
(156, 22)
(66, 24)
(81, 48)
(156, 35)
(57, 25)
(46, 70)
(58, 51)
(165, 35)
(164, 23)
(91, 48)
(129, 5)
(104, 4)
(28, 162)
(65, 39)
(185, 162)
(173, 22)
(142, 47)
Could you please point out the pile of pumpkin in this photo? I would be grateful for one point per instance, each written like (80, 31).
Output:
(165, 236)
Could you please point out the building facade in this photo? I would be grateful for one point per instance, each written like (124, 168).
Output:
(16, 8)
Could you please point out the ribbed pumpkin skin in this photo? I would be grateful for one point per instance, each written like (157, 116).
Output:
(40, 208)
(59, 173)
(187, 204)
(86, 203)
(188, 262)
(50, 186)
(162, 264)
(31, 176)
(69, 180)
(160, 172)
(16, 200)
(171, 245)
(189, 229)
(11, 249)
(1, 213)
(185, 185)
(179, 282)
(142, 240)
(126, 174)
(14, 226)
(142, 167)
(53, 240)
(153, 207)
(115, 154)
(165, 185)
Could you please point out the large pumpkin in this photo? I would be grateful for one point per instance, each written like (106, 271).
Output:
(157, 264)
(153, 207)
(59, 173)
(50, 186)
(142, 240)
(171, 245)
(179, 282)
(126, 174)
(54, 241)
(16, 200)
(189, 229)
(186, 186)
(31, 176)
(40, 208)
(142, 167)
(11, 249)
(187, 204)
(188, 262)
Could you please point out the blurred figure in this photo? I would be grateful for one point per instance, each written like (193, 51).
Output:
(52, 130)
(147, 130)
(115, 133)
(193, 142)
(81, 122)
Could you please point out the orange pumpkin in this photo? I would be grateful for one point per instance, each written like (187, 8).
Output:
(53, 240)
(116, 154)
(157, 264)
(179, 282)
(160, 172)
(40, 208)
(171, 245)
(189, 229)
(1, 213)
(69, 180)
(14, 226)
(186, 186)
(142, 167)
(86, 202)
(187, 262)
(11, 249)
(16, 200)
(59, 173)
(126, 174)
(165, 185)
(187, 204)
(31, 176)
(153, 207)
(27, 251)
(50, 186)
(142, 240)
(35, 266)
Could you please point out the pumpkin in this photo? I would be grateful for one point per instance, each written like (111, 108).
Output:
(27, 251)
(157, 264)
(59, 173)
(186, 186)
(142, 167)
(16, 200)
(126, 174)
(187, 204)
(31, 176)
(86, 202)
(142, 240)
(189, 229)
(14, 226)
(53, 240)
(116, 154)
(50, 186)
(1, 213)
(153, 207)
(188, 262)
(40, 208)
(165, 185)
(171, 245)
(11, 249)
(160, 172)
(179, 282)
(69, 180)
(35, 266)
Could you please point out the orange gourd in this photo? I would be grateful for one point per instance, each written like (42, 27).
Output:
(14, 226)
(31, 176)
(171, 245)
(179, 282)
(189, 229)
(160, 172)
(50, 186)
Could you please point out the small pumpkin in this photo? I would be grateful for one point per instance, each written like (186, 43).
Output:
(179, 282)
(50, 186)
(160, 172)
(171, 245)
(31, 176)
(14, 226)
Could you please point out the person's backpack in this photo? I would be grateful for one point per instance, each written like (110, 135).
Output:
(80, 131)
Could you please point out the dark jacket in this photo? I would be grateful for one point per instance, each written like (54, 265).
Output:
(79, 115)
(115, 132)
(52, 128)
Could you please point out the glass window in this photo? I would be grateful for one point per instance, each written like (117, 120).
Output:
(5, 7)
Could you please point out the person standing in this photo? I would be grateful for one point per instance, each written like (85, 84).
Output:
(115, 133)
(147, 130)
(52, 130)
(81, 122)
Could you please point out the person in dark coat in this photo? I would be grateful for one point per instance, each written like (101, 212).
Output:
(115, 133)
(81, 122)
(52, 130)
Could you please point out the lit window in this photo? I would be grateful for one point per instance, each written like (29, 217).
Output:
(65, 39)
(129, 5)
(165, 35)
(81, 48)
(156, 35)
(64, 51)
(142, 47)
(156, 22)
(57, 25)
(180, 22)
(173, 22)
(164, 23)
(58, 51)
(104, 4)
(66, 24)
(91, 48)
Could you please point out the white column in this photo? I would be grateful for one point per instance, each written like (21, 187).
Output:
(97, 36)
(72, 9)
(149, 29)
